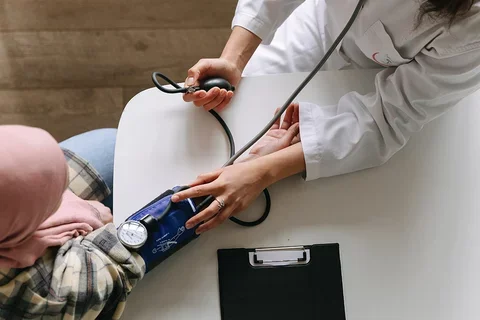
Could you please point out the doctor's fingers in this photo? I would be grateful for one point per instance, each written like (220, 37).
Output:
(217, 101)
(218, 219)
(195, 192)
(200, 97)
(206, 178)
(199, 70)
(225, 102)
(190, 97)
(203, 216)
(209, 97)
(192, 81)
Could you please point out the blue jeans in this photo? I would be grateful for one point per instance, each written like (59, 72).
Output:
(98, 148)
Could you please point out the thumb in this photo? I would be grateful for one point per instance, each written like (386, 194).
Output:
(196, 71)
(292, 132)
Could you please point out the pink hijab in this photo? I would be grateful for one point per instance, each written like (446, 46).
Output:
(36, 210)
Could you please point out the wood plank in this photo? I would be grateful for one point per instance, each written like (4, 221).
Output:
(64, 112)
(63, 126)
(61, 101)
(129, 93)
(16, 15)
(110, 58)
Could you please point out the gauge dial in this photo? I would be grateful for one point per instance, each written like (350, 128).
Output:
(132, 234)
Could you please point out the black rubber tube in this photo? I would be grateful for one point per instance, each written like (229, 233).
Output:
(177, 89)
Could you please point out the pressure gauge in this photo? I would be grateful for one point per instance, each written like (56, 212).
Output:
(132, 234)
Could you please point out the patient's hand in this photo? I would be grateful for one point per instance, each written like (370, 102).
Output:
(279, 136)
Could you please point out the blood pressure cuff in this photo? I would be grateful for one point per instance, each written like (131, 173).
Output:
(171, 234)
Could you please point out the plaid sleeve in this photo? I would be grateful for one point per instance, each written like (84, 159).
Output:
(87, 278)
(85, 181)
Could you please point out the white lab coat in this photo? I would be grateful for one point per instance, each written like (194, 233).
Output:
(428, 70)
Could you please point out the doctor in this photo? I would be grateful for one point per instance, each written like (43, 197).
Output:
(430, 52)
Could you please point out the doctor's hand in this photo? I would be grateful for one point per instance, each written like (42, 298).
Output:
(215, 98)
(237, 52)
(240, 184)
(237, 186)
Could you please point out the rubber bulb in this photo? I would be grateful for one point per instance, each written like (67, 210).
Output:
(211, 83)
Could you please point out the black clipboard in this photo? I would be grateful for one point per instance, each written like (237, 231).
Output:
(303, 282)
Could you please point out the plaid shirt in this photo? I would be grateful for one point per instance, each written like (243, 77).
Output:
(87, 278)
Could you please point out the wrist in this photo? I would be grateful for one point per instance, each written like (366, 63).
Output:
(282, 164)
(240, 47)
(263, 167)
(247, 158)
(236, 59)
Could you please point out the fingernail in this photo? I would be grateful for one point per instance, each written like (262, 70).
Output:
(189, 225)
(174, 198)
(190, 81)
(198, 231)
(202, 95)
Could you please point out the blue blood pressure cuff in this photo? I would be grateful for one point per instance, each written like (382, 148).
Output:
(170, 233)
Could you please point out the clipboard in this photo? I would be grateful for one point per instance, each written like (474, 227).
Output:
(301, 282)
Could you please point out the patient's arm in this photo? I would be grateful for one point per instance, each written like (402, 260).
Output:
(280, 136)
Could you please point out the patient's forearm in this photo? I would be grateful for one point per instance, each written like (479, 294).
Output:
(282, 164)
(240, 47)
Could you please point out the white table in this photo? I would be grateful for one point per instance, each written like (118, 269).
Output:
(409, 231)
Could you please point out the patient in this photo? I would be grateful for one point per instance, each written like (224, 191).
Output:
(59, 254)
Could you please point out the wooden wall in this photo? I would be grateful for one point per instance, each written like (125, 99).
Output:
(71, 65)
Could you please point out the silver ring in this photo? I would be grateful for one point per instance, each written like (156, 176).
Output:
(220, 204)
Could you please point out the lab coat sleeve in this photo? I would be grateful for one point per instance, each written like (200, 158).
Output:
(263, 17)
(364, 131)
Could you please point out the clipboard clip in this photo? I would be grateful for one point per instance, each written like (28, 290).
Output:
(279, 256)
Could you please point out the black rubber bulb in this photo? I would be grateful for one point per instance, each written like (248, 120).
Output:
(211, 83)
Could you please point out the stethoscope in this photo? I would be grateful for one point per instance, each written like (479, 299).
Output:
(210, 83)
